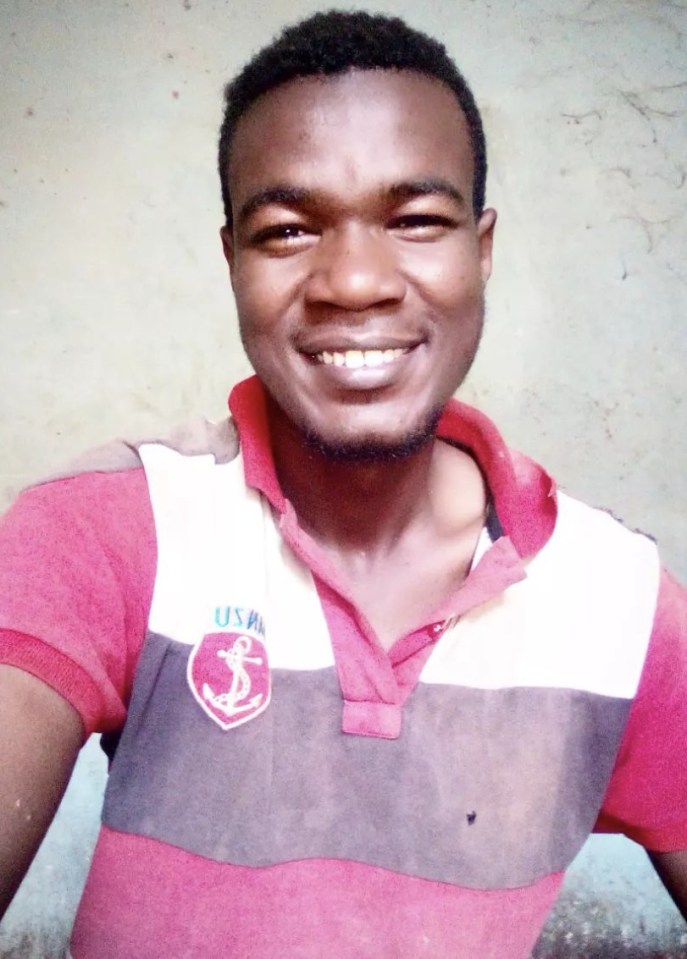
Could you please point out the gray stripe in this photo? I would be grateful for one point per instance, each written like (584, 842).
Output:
(484, 788)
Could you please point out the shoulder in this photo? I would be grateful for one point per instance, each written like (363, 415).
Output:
(107, 487)
(194, 437)
(596, 534)
(78, 559)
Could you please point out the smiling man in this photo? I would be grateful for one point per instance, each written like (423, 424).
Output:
(358, 270)
(367, 680)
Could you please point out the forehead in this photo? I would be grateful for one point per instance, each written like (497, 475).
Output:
(364, 129)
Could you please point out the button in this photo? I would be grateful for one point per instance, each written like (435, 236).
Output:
(438, 628)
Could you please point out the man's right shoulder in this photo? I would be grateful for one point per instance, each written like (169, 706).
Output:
(195, 437)
(78, 555)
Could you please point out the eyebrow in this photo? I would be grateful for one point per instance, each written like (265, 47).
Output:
(284, 195)
(408, 189)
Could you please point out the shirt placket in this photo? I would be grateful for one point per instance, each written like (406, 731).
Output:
(376, 683)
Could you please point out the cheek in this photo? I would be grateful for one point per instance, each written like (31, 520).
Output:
(452, 280)
(263, 294)
(253, 300)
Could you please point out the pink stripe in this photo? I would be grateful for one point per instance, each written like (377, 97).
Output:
(145, 898)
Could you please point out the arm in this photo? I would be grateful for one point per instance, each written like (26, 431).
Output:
(672, 869)
(77, 566)
(40, 736)
(647, 796)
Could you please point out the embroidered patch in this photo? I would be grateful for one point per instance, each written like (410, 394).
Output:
(229, 676)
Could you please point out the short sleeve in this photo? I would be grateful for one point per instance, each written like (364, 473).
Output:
(77, 566)
(647, 794)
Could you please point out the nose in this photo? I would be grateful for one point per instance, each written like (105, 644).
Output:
(355, 268)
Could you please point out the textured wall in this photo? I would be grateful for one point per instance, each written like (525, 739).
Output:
(115, 315)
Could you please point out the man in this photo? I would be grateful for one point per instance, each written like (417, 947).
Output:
(368, 681)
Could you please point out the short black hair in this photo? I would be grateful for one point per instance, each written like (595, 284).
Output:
(335, 42)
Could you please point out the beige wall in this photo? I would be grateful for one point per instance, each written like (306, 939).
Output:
(114, 308)
(115, 314)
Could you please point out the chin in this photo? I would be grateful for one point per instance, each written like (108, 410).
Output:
(371, 448)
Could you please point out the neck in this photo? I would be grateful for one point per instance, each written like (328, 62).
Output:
(348, 505)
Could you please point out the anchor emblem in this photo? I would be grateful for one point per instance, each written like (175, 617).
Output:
(229, 676)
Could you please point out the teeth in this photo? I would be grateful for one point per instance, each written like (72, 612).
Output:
(374, 357)
(356, 359)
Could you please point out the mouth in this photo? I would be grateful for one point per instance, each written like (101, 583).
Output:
(360, 359)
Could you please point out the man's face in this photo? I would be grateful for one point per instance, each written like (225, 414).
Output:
(355, 259)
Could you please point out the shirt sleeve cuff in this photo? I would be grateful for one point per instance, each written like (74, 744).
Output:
(62, 674)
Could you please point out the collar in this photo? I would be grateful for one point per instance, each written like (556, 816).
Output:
(524, 495)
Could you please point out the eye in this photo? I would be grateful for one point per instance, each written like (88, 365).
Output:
(282, 238)
(422, 226)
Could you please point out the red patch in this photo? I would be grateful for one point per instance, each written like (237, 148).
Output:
(229, 676)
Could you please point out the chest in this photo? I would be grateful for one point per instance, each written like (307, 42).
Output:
(509, 731)
(401, 592)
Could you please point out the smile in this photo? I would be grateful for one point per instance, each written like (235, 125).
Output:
(359, 359)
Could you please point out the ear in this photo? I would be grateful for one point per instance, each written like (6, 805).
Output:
(485, 238)
(228, 247)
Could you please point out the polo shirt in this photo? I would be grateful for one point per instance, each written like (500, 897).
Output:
(281, 785)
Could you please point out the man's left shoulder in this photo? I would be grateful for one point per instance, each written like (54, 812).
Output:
(594, 555)
(599, 529)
